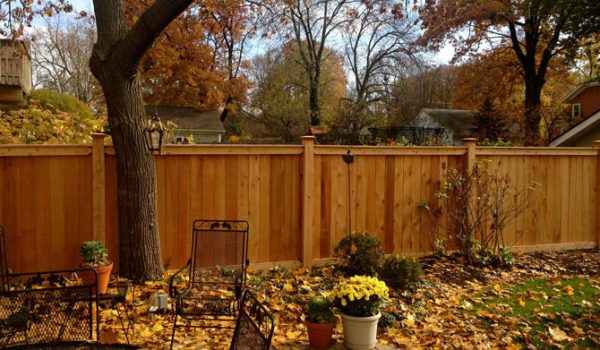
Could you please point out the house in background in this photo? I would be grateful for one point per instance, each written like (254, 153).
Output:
(585, 105)
(191, 126)
(456, 123)
(15, 72)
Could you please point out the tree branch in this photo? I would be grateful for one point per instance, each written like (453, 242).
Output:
(140, 37)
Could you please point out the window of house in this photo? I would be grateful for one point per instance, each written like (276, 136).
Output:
(576, 110)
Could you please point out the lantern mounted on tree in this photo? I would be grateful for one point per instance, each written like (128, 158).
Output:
(155, 134)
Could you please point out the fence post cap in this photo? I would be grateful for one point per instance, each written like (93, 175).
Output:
(307, 138)
(98, 135)
(469, 139)
(597, 144)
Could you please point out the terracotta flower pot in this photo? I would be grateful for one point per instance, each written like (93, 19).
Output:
(319, 334)
(103, 277)
(360, 333)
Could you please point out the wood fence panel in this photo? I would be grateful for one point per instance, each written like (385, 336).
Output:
(564, 197)
(257, 188)
(46, 198)
(386, 191)
(46, 210)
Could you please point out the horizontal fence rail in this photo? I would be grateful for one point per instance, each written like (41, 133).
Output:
(295, 198)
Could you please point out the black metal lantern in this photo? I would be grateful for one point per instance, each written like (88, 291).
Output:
(155, 134)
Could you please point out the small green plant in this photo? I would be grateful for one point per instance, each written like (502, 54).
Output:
(318, 310)
(439, 247)
(400, 272)
(504, 258)
(360, 254)
(507, 258)
(93, 254)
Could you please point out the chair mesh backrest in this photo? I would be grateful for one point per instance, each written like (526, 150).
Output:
(219, 252)
(47, 307)
(255, 326)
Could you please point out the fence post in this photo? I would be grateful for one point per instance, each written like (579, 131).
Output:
(597, 147)
(308, 176)
(98, 182)
(470, 143)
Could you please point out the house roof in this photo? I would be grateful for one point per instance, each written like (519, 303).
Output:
(579, 88)
(461, 121)
(188, 118)
(581, 128)
(11, 42)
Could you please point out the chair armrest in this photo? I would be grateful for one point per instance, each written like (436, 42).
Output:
(172, 289)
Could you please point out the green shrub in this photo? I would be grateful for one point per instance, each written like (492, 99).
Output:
(400, 272)
(318, 310)
(360, 254)
(61, 102)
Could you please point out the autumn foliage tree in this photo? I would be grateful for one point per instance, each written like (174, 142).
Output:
(198, 61)
(279, 104)
(536, 30)
(495, 76)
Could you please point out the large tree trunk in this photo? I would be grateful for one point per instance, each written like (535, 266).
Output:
(532, 113)
(139, 245)
(313, 95)
(115, 63)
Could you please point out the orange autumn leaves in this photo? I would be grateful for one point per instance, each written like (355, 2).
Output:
(197, 61)
(443, 312)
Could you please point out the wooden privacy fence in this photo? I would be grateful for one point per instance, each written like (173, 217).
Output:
(296, 198)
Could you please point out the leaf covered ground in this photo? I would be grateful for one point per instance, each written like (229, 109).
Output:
(547, 300)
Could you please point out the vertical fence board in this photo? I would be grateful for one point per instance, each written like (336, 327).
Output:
(398, 207)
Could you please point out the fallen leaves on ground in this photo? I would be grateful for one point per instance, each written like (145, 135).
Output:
(445, 312)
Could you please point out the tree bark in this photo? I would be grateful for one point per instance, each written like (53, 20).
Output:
(315, 110)
(115, 63)
(533, 103)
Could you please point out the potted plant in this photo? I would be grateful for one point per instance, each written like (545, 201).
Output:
(320, 322)
(94, 255)
(359, 298)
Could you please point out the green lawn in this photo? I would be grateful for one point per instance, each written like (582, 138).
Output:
(543, 312)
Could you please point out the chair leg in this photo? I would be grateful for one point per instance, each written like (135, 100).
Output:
(116, 306)
(173, 334)
(130, 324)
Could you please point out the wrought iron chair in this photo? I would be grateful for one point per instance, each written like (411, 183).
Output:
(254, 327)
(216, 272)
(47, 308)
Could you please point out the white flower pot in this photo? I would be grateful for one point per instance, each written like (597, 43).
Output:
(360, 333)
